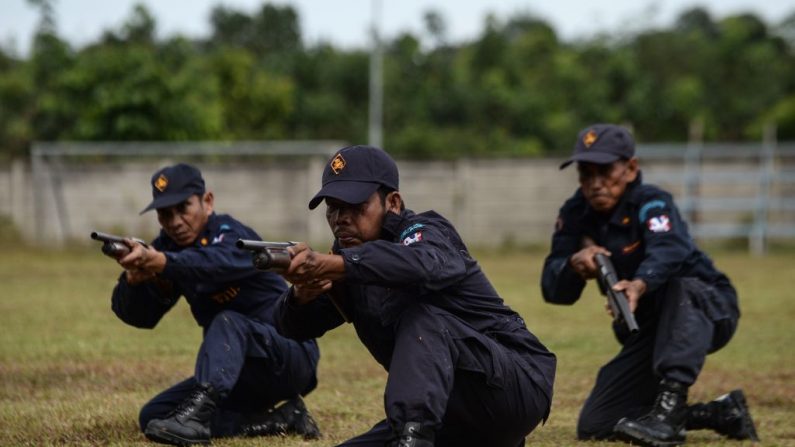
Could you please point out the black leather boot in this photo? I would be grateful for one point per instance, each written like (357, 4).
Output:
(289, 418)
(414, 435)
(727, 415)
(664, 425)
(189, 422)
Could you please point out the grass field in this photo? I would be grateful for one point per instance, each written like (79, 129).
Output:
(71, 373)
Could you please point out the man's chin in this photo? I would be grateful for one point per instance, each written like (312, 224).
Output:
(348, 242)
(183, 242)
(602, 205)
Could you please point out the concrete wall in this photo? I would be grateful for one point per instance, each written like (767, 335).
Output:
(491, 202)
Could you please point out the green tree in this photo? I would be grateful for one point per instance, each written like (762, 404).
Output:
(16, 105)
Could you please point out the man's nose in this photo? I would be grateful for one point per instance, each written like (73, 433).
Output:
(173, 221)
(595, 181)
(343, 215)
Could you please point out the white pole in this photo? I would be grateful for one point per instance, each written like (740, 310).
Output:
(375, 128)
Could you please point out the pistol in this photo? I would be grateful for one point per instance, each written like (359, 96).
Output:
(268, 256)
(619, 304)
(114, 246)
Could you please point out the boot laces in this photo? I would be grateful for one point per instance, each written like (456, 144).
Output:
(187, 406)
(665, 403)
(406, 440)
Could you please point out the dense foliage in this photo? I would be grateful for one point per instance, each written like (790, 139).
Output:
(517, 89)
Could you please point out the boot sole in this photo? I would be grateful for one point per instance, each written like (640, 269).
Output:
(164, 437)
(635, 437)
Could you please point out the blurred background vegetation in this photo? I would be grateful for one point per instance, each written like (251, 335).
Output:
(516, 90)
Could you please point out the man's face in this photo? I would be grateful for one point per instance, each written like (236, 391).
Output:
(354, 224)
(604, 184)
(184, 222)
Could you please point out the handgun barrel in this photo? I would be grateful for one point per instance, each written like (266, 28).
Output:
(261, 245)
(105, 237)
(618, 300)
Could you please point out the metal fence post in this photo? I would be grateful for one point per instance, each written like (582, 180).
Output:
(757, 240)
(692, 168)
(462, 173)
(37, 166)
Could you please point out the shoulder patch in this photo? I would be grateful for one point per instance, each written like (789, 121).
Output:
(411, 229)
(224, 227)
(659, 224)
(648, 206)
(416, 237)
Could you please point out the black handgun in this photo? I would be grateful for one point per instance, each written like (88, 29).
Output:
(619, 304)
(114, 246)
(268, 256)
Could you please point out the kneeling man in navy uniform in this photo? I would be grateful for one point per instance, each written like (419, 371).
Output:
(463, 370)
(244, 366)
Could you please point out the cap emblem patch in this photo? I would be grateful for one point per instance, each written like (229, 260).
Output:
(589, 138)
(338, 164)
(161, 183)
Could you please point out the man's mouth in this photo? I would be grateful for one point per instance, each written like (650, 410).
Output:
(345, 236)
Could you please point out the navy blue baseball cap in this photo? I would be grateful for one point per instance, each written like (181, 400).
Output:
(173, 185)
(354, 173)
(602, 144)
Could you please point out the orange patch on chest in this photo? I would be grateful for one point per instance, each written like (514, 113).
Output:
(630, 248)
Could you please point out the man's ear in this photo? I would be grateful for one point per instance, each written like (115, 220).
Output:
(632, 169)
(208, 201)
(393, 202)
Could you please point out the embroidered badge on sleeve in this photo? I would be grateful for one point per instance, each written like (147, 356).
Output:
(659, 224)
(416, 237)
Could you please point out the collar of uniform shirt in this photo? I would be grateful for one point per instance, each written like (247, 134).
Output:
(393, 224)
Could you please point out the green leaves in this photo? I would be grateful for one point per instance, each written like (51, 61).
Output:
(515, 90)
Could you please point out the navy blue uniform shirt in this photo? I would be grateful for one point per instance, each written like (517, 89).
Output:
(419, 258)
(645, 233)
(213, 275)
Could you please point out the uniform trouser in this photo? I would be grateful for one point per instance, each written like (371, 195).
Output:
(251, 366)
(679, 325)
(495, 403)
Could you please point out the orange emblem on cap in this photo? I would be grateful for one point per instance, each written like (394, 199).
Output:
(338, 164)
(589, 138)
(161, 183)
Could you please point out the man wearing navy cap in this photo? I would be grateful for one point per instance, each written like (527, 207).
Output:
(244, 367)
(463, 370)
(686, 308)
